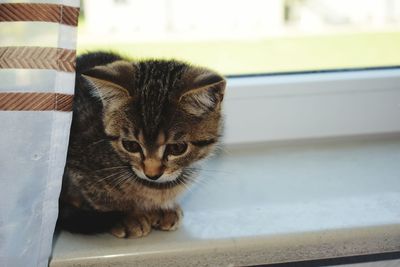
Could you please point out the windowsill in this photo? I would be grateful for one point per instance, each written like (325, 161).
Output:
(270, 203)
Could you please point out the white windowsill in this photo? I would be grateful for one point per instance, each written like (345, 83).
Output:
(269, 203)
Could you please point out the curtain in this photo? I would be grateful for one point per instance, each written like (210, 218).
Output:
(37, 72)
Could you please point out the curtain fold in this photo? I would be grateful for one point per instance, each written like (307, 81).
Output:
(37, 70)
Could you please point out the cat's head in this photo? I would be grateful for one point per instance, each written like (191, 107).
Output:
(161, 116)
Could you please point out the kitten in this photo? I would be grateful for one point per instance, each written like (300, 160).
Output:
(137, 129)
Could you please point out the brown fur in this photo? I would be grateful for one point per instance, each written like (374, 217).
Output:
(162, 107)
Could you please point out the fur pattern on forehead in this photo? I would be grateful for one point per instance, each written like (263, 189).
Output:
(157, 83)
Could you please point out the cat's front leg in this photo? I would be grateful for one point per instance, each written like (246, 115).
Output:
(167, 219)
(134, 225)
(139, 224)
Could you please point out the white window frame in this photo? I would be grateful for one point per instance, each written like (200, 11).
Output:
(312, 105)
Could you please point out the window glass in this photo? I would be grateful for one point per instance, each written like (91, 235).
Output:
(248, 36)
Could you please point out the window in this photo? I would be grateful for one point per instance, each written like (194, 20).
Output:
(259, 187)
(262, 204)
(248, 37)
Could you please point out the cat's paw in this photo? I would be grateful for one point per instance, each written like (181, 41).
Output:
(167, 220)
(132, 227)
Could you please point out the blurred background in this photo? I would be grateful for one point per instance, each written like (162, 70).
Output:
(238, 37)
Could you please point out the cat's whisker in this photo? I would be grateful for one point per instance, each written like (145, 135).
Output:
(216, 171)
(183, 183)
(131, 177)
(202, 171)
(222, 149)
(112, 168)
(97, 142)
(121, 179)
(113, 175)
(190, 178)
(200, 181)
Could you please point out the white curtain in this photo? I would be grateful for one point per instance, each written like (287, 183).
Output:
(37, 55)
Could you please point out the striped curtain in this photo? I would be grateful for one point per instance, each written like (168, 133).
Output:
(37, 73)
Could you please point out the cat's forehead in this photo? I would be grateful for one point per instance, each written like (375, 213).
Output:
(159, 75)
(157, 82)
(161, 71)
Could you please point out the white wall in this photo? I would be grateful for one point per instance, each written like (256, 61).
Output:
(180, 17)
(237, 19)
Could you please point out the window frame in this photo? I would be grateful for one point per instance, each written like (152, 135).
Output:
(296, 106)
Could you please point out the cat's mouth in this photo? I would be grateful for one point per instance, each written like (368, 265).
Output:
(164, 178)
(164, 181)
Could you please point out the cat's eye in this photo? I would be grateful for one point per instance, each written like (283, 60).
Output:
(176, 149)
(131, 146)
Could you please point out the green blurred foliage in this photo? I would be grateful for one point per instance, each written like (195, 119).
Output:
(301, 53)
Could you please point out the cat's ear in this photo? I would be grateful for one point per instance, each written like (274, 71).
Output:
(110, 93)
(205, 93)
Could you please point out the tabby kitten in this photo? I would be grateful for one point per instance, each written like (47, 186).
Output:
(137, 129)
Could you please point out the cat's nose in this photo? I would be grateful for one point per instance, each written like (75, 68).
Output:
(154, 177)
(153, 168)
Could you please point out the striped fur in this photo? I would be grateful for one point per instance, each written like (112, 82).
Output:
(153, 105)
